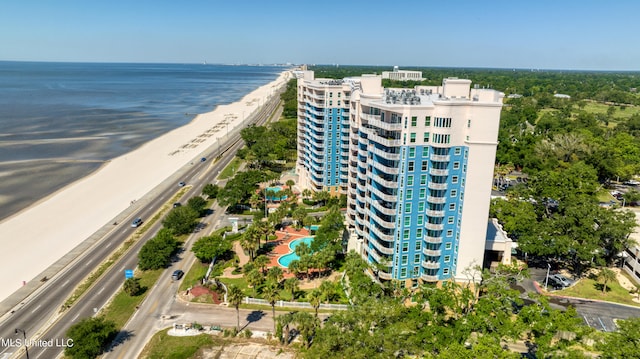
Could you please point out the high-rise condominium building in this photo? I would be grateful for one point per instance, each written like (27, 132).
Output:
(416, 165)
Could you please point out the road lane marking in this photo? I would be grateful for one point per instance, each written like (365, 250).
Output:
(100, 291)
(39, 355)
(76, 317)
(38, 307)
(65, 283)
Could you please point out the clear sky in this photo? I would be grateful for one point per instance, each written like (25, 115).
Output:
(541, 34)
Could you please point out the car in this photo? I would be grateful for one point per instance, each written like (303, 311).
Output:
(136, 222)
(564, 281)
(631, 183)
(203, 159)
(177, 204)
(177, 274)
(181, 184)
(553, 283)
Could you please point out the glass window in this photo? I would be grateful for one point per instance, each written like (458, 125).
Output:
(405, 234)
(412, 152)
(447, 245)
(425, 164)
(454, 179)
(405, 259)
(416, 258)
(418, 235)
(405, 246)
(450, 233)
(410, 180)
(426, 137)
(427, 121)
(445, 271)
(423, 192)
(414, 121)
(403, 272)
(450, 220)
(447, 259)
(454, 193)
(423, 179)
(425, 151)
(456, 165)
(452, 206)
(412, 137)
(457, 151)
(420, 220)
(407, 208)
(407, 221)
(410, 166)
(409, 194)
(420, 207)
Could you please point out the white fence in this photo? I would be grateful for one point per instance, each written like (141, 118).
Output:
(282, 303)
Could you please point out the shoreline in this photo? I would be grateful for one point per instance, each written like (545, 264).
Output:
(71, 215)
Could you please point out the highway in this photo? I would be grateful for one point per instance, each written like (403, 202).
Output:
(40, 316)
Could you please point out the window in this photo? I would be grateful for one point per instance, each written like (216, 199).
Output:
(405, 246)
(454, 193)
(420, 207)
(409, 194)
(418, 245)
(468, 123)
(330, 94)
(426, 137)
(456, 165)
(403, 272)
(330, 103)
(412, 137)
(420, 220)
(450, 220)
(423, 192)
(447, 259)
(423, 179)
(418, 235)
(412, 152)
(464, 168)
(407, 208)
(405, 259)
(425, 164)
(414, 121)
(339, 93)
(466, 153)
(338, 102)
(450, 233)
(457, 151)
(425, 151)
(445, 271)
(416, 258)
(410, 180)
(454, 179)
(447, 245)
(410, 166)
(427, 121)
(405, 234)
(452, 206)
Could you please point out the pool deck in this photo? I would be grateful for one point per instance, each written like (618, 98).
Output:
(286, 236)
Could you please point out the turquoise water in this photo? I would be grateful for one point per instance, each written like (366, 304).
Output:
(276, 190)
(284, 260)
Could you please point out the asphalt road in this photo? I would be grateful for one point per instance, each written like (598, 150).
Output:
(40, 315)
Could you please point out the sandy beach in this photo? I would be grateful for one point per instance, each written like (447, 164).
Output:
(37, 237)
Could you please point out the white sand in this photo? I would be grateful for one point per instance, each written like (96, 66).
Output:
(37, 237)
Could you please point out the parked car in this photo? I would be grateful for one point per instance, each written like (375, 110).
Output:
(203, 159)
(177, 274)
(566, 282)
(181, 184)
(177, 204)
(136, 222)
(554, 284)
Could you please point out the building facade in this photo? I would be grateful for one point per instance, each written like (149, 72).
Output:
(402, 75)
(419, 165)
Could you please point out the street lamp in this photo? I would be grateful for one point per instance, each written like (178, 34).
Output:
(24, 334)
(546, 281)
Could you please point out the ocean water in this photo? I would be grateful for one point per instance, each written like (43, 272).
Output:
(61, 121)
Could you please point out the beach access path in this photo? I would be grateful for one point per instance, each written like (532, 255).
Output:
(52, 232)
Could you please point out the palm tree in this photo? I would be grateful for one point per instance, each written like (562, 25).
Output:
(315, 298)
(605, 276)
(271, 294)
(290, 183)
(275, 274)
(254, 200)
(299, 216)
(306, 193)
(328, 290)
(261, 261)
(248, 241)
(234, 298)
(132, 286)
(254, 278)
(292, 285)
(265, 229)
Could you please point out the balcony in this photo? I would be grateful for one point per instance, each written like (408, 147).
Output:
(386, 169)
(381, 181)
(433, 240)
(386, 154)
(382, 236)
(384, 196)
(431, 252)
(351, 211)
(435, 226)
(430, 265)
(437, 172)
(436, 214)
(437, 186)
(391, 211)
(374, 120)
(381, 222)
(439, 158)
(381, 248)
(388, 142)
(429, 278)
(436, 200)
(384, 275)
(360, 210)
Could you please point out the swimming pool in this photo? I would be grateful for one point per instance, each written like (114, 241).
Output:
(285, 259)
(275, 197)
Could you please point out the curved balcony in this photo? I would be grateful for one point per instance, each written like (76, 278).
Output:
(315, 136)
(432, 213)
(388, 211)
(313, 94)
(384, 275)
(384, 196)
(430, 265)
(362, 141)
(429, 278)
(440, 158)
(381, 248)
(437, 172)
(434, 226)
(344, 145)
(361, 176)
(431, 252)
(358, 231)
(381, 222)
(386, 169)
(437, 186)
(360, 210)
(437, 200)
(382, 236)
(369, 117)
(388, 142)
(381, 181)
(374, 120)
(386, 155)
(433, 240)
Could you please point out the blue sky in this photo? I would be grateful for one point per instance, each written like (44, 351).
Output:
(541, 34)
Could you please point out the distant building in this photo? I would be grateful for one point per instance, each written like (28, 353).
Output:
(560, 95)
(416, 166)
(402, 75)
(514, 95)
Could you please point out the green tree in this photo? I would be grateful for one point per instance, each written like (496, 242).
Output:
(623, 343)
(235, 298)
(198, 204)
(606, 276)
(132, 286)
(292, 285)
(210, 247)
(315, 298)
(181, 220)
(157, 252)
(249, 240)
(90, 337)
(328, 290)
(211, 190)
(275, 274)
(255, 278)
(306, 325)
(261, 262)
(299, 216)
(271, 294)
